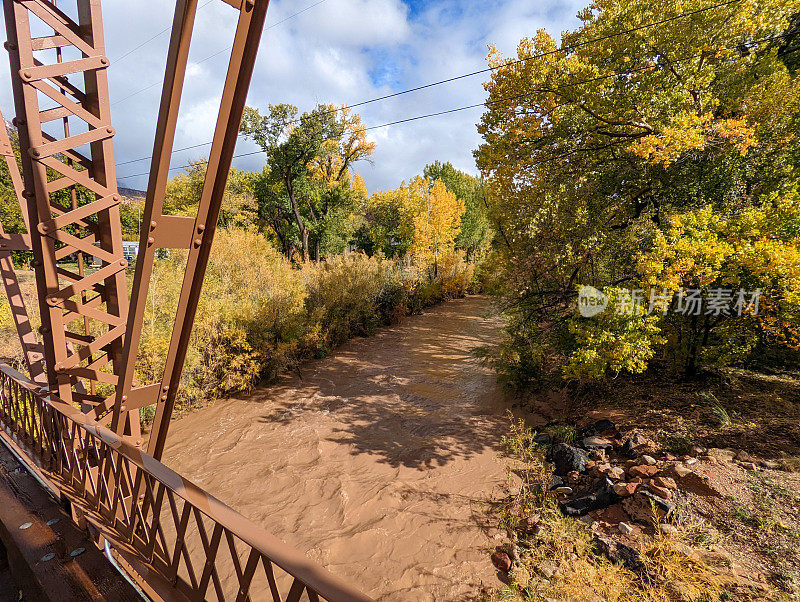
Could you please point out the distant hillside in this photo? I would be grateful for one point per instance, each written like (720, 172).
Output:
(131, 195)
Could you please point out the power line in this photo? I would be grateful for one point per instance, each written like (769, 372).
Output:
(211, 56)
(159, 34)
(487, 103)
(567, 48)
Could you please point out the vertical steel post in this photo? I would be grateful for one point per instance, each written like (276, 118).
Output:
(52, 164)
(152, 221)
(32, 350)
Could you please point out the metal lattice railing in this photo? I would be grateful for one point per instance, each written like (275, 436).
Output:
(199, 547)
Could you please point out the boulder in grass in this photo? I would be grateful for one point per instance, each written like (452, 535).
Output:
(601, 427)
(619, 553)
(501, 561)
(568, 459)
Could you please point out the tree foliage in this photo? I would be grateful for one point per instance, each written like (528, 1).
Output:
(475, 234)
(420, 218)
(309, 185)
(632, 160)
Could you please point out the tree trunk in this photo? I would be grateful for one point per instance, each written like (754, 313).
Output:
(299, 219)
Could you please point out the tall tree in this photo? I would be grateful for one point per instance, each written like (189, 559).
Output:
(419, 218)
(475, 234)
(311, 157)
(593, 152)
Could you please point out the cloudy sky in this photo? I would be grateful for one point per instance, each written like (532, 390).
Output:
(333, 51)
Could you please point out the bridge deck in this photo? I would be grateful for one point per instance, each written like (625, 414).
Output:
(62, 577)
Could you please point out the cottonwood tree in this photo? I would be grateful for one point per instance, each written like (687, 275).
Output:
(310, 159)
(420, 219)
(593, 153)
(475, 234)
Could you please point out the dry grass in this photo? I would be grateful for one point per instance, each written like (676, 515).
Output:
(557, 556)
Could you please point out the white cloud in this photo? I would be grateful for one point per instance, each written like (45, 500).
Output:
(353, 23)
(340, 51)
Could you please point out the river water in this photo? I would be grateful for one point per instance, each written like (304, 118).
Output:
(377, 462)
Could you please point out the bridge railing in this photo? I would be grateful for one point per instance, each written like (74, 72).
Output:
(157, 520)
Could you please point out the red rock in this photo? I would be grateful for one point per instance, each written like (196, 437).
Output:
(679, 471)
(701, 485)
(645, 507)
(625, 489)
(643, 471)
(501, 561)
(611, 515)
(616, 473)
(665, 482)
(661, 492)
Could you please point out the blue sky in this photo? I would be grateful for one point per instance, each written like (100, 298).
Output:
(337, 51)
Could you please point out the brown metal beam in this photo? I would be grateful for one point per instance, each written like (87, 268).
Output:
(53, 164)
(179, 232)
(234, 95)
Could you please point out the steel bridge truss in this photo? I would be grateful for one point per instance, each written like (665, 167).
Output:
(81, 368)
(68, 191)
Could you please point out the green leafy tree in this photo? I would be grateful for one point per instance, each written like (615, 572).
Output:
(310, 158)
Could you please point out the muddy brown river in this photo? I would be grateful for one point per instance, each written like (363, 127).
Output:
(377, 464)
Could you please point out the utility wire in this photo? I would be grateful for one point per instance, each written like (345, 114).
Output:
(159, 34)
(495, 101)
(217, 53)
(567, 48)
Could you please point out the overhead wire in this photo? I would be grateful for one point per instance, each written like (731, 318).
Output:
(567, 48)
(487, 103)
(211, 56)
(147, 41)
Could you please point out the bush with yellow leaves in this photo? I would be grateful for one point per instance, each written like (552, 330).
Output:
(259, 315)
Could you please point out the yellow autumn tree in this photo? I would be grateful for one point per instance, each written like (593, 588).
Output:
(663, 158)
(419, 219)
(436, 215)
